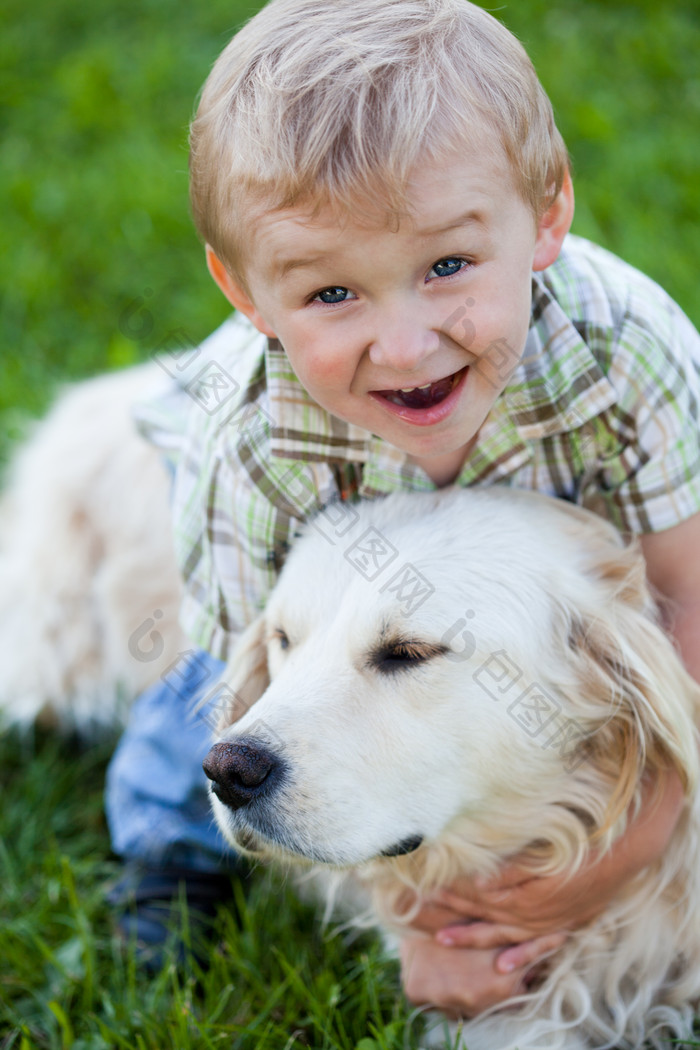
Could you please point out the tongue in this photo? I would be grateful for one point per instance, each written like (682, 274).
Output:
(416, 398)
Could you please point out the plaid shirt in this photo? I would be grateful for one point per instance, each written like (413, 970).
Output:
(602, 410)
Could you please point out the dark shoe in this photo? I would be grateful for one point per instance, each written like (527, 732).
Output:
(168, 912)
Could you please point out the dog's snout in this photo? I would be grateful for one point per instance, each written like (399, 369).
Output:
(238, 771)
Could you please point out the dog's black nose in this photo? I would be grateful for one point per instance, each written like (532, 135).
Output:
(238, 771)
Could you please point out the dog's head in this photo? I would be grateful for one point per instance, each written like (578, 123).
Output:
(475, 663)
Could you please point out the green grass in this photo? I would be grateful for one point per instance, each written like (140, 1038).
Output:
(99, 266)
(278, 980)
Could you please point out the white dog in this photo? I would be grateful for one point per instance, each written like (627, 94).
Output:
(462, 677)
(439, 682)
(89, 586)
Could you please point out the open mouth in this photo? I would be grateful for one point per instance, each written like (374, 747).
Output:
(422, 397)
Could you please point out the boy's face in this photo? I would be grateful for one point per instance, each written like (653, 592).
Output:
(410, 333)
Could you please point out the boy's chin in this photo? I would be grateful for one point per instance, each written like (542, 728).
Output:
(425, 448)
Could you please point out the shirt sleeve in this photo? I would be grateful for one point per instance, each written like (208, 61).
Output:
(237, 509)
(648, 475)
(228, 568)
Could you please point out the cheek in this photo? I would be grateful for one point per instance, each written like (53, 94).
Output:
(320, 367)
(500, 329)
(497, 357)
(503, 298)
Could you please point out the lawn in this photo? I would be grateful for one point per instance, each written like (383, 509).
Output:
(276, 979)
(100, 267)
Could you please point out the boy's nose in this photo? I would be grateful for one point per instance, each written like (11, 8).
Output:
(402, 344)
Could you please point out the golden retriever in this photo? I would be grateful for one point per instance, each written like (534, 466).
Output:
(465, 676)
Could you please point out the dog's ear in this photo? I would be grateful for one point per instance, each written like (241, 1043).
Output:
(639, 706)
(246, 673)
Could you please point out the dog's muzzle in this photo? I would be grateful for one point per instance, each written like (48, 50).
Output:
(246, 776)
(241, 771)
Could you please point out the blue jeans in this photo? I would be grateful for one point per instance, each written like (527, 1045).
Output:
(156, 793)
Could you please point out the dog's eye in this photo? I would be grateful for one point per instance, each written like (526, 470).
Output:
(281, 637)
(404, 655)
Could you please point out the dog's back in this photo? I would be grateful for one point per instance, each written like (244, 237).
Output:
(86, 559)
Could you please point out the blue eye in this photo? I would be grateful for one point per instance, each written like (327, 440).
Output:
(332, 295)
(448, 266)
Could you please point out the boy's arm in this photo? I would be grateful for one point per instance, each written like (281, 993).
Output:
(515, 908)
(673, 568)
(518, 910)
(460, 969)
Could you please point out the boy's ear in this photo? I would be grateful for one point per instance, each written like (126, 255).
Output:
(235, 293)
(554, 226)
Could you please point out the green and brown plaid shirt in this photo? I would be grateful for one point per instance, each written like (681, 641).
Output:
(602, 410)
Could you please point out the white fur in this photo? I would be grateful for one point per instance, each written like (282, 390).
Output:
(86, 559)
(372, 757)
(375, 757)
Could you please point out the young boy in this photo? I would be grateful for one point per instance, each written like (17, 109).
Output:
(386, 201)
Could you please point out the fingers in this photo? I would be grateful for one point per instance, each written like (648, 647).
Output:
(527, 952)
(522, 950)
(468, 906)
(505, 878)
(460, 983)
(481, 935)
(433, 917)
(474, 897)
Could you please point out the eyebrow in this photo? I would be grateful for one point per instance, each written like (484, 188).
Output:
(284, 267)
(469, 218)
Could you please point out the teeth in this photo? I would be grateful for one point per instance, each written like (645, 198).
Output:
(408, 389)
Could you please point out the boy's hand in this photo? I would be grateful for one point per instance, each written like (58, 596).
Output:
(515, 909)
(463, 983)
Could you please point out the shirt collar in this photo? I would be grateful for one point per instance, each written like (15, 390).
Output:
(301, 428)
(558, 384)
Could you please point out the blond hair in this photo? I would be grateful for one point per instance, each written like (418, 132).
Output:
(337, 101)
